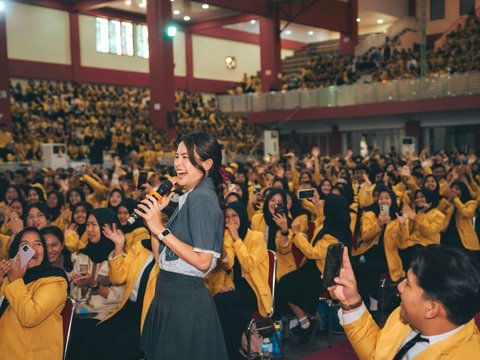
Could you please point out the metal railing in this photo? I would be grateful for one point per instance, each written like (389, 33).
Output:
(357, 94)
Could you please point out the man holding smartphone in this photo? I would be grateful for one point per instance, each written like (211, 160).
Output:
(435, 318)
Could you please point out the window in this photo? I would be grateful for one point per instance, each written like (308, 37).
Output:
(141, 32)
(437, 9)
(114, 37)
(467, 7)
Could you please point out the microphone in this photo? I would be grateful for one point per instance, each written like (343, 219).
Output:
(164, 188)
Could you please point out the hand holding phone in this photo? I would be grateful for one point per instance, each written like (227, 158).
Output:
(333, 264)
(305, 194)
(384, 210)
(279, 209)
(25, 254)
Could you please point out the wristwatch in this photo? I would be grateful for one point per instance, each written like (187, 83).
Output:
(162, 235)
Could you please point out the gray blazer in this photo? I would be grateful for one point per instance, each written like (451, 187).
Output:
(199, 222)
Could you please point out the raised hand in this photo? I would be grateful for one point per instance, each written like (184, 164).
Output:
(5, 267)
(16, 271)
(150, 210)
(114, 234)
(16, 224)
(281, 221)
(346, 288)
(402, 219)
(296, 226)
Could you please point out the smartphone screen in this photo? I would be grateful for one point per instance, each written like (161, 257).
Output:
(26, 253)
(305, 194)
(142, 179)
(333, 264)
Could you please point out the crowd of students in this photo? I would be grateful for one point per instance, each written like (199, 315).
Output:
(391, 61)
(92, 119)
(383, 208)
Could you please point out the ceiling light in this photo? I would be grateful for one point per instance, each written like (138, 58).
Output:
(380, 21)
(253, 21)
(142, 4)
(171, 31)
(358, 19)
(176, 12)
(288, 32)
(128, 2)
(205, 6)
(186, 18)
(2, 5)
(310, 32)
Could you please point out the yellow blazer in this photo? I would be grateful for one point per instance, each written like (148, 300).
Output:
(31, 327)
(4, 246)
(59, 222)
(219, 278)
(125, 269)
(463, 221)
(364, 195)
(253, 258)
(285, 259)
(317, 252)
(75, 243)
(133, 237)
(370, 342)
(425, 230)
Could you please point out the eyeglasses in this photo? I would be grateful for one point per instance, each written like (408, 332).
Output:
(33, 217)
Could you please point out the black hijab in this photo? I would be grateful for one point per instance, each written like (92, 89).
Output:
(122, 194)
(45, 269)
(431, 197)
(466, 196)
(272, 225)
(130, 204)
(81, 227)
(337, 220)
(57, 210)
(79, 191)
(99, 252)
(241, 211)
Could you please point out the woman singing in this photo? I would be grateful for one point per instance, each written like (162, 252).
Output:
(182, 322)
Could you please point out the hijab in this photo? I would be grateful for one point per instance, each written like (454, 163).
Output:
(337, 220)
(99, 252)
(241, 211)
(122, 195)
(56, 211)
(272, 225)
(431, 197)
(466, 196)
(130, 204)
(45, 269)
(81, 227)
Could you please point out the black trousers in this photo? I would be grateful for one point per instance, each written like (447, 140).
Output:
(235, 309)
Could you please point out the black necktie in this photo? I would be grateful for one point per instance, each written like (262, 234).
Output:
(408, 345)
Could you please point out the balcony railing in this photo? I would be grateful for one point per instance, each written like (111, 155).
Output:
(357, 94)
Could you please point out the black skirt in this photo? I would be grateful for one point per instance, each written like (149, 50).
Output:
(182, 321)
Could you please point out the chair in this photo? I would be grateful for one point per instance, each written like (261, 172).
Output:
(67, 319)
(256, 318)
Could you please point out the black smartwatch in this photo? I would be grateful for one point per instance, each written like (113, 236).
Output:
(162, 235)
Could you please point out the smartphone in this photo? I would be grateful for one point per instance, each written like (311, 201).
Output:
(279, 209)
(333, 264)
(26, 253)
(142, 179)
(305, 194)
(83, 269)
(232, 188)
(384, 209)
(257, 188)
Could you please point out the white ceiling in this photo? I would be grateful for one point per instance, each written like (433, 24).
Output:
(306, 34)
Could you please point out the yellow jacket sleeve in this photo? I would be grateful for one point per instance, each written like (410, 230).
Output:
(33, 308)
(370, 229)
(317, 252)
(98, 189)
(466, 210)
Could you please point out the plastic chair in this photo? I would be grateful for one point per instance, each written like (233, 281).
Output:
(256, 318)
(67, 320)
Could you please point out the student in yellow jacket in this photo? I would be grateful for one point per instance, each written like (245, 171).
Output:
(249, 268)
(459, 209)
(301, 288)
(117, 336)
(421, 226)
(380, 238)
(31, 300)
(133, 232)
(275, 228)
(435, 318)
(75, 235)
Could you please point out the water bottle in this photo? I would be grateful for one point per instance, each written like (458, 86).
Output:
(275, 345)
(265, 349)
